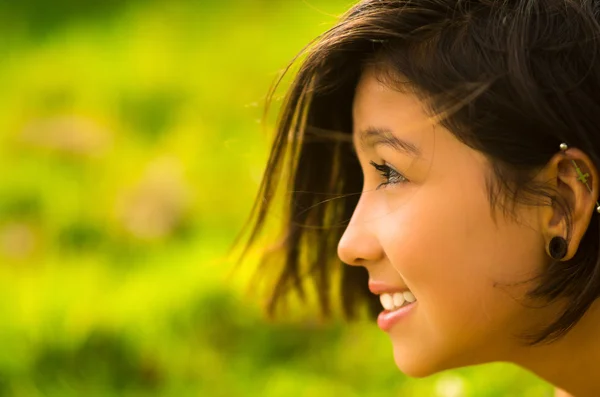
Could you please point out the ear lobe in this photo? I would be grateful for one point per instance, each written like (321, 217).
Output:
(574, 179)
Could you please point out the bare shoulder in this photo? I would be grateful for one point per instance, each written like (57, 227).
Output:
(561, 393)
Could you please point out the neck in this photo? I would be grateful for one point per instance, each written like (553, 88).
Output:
(571, 363)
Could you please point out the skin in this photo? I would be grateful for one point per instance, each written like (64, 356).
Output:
(435, 234)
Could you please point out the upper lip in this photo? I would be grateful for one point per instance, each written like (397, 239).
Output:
(380, 287)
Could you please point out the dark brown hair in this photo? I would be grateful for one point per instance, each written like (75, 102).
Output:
(512, 79)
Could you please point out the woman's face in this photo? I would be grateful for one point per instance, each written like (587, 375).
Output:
(435, 235)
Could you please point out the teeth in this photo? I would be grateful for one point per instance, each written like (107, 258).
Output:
(387, 301)
(396, 300)
(409, 297)
(399, 299)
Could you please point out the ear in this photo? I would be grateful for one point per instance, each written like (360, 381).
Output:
(569, 183)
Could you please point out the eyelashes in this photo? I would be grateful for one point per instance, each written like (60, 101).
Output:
(389, 175)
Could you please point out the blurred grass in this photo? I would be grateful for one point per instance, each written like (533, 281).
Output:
(131, 149)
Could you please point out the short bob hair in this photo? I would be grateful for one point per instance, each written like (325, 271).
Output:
(510, 79)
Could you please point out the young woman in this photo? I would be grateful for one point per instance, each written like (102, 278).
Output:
(447, 151)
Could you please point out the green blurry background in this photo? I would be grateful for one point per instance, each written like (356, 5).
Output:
(131, 150)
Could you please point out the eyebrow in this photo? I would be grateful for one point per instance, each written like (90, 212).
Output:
(374, 136)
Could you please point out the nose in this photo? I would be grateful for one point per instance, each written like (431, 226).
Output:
(359, 244)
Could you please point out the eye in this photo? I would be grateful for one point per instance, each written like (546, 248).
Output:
(389, 175)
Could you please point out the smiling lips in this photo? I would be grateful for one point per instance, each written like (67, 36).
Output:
(391, 297)
(392, 313)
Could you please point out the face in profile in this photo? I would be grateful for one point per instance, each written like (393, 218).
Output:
(424, 224)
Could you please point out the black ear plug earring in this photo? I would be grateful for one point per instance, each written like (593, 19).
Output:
(558, 247)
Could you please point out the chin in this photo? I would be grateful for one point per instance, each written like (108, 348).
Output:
(416, 365)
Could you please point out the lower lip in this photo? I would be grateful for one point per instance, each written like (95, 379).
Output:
(387, 319)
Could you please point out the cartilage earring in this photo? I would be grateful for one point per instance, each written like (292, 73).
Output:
(558, 247)
(580, 175)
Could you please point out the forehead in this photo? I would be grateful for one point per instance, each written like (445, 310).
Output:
(379, 107)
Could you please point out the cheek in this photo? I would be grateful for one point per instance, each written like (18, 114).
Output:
(450, 257)
(442, 264)
(448, 243)
(441, 248)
